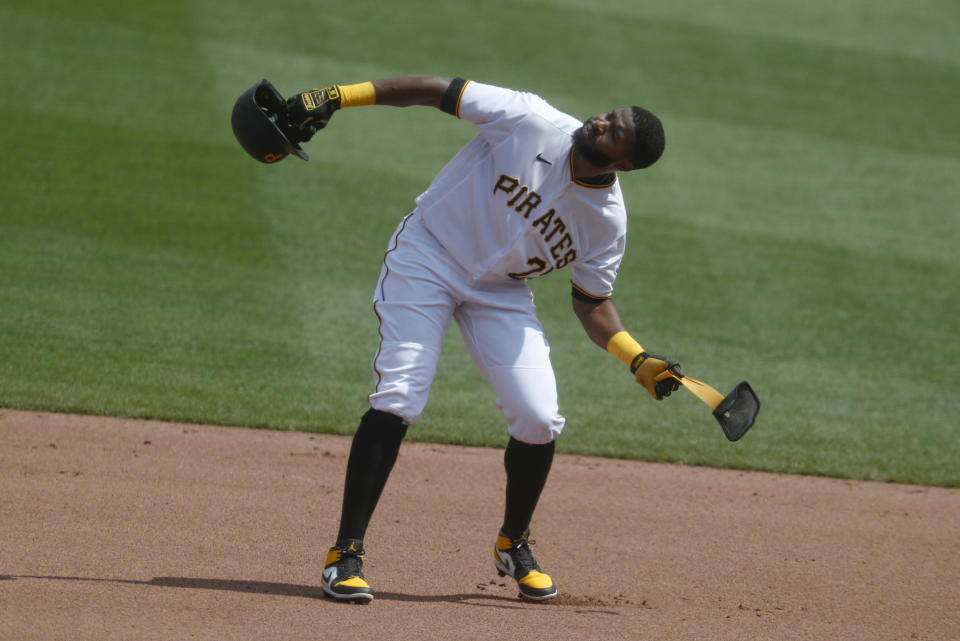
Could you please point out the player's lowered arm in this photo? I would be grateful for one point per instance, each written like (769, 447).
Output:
(600, 320)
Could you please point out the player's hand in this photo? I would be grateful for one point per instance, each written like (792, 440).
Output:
(310, 111)
(656, 374)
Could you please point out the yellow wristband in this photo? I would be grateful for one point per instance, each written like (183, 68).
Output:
(359, 95)
(623, 346)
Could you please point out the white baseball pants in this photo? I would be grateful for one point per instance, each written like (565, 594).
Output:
(421, 288)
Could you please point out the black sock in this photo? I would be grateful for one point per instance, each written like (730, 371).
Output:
(527, 469)
(372, 455)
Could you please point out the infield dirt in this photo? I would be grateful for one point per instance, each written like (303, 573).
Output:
(122, 529)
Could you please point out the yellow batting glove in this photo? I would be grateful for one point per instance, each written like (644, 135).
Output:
(655, 373)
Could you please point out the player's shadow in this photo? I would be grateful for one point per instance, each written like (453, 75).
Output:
(477, 599)
(275, 589)
(312, 591)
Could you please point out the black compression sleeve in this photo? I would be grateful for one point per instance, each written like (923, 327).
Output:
(581, 295)
(451, 97)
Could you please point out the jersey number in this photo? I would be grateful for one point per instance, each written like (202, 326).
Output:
(538, 265)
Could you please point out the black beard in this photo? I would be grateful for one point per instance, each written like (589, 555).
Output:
(586, 149)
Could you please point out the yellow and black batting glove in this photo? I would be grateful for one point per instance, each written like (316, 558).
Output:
(310, 111)
(656, 373)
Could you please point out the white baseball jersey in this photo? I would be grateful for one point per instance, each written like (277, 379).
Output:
(507, 206)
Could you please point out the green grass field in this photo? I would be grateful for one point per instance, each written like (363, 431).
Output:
(801, 231)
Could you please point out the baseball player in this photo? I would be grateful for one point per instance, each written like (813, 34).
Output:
(535, 191)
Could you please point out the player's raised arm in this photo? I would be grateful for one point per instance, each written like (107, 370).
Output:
(407, 91)
(310, 111)
(271, 128)
(602, 324)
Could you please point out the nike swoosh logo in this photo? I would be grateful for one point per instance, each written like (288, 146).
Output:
(542, 159)
(507, 562)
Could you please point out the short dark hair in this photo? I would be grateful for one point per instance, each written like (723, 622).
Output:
(650, 142)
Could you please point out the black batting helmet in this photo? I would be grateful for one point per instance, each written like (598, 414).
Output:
(259, 122)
